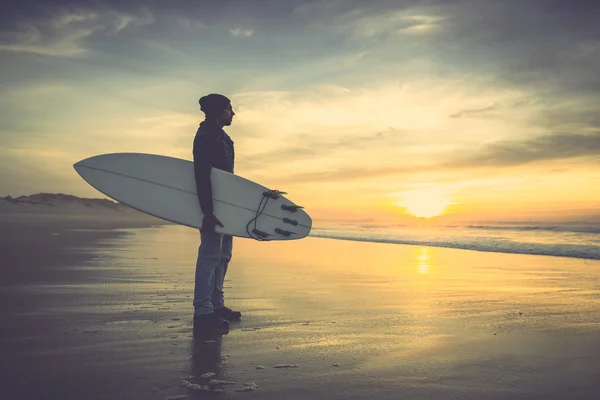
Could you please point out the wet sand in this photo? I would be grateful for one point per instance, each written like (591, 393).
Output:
(107, 314)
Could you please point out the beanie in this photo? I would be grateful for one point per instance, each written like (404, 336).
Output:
(213, 103)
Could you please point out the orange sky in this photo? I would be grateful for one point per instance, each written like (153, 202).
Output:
(360, 112)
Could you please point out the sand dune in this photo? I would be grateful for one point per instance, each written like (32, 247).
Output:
(69, 211)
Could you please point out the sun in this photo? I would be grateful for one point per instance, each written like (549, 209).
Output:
(424, 203)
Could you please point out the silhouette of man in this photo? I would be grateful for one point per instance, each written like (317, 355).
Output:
(213, 148)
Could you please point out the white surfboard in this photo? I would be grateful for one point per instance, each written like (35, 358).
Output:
(165, 188)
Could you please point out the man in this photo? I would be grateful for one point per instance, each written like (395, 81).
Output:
(213, 148)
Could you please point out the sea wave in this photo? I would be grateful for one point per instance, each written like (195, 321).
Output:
(551, 228)
(586, 249)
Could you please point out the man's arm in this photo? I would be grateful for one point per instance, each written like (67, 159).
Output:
(202, 168)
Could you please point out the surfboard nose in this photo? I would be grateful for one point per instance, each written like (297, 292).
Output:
(79, 164)
(83, 162)
(89, 160)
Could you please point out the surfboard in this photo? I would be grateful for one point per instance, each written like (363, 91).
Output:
(165, 187)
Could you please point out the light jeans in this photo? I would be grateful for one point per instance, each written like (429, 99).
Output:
(214, 255)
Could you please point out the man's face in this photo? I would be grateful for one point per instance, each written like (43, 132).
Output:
(226, 115)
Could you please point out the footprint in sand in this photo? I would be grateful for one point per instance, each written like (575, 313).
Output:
(247, 387)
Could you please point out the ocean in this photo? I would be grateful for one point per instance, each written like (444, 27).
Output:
(561, 240)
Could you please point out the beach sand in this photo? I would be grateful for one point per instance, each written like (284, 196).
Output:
(107, 314)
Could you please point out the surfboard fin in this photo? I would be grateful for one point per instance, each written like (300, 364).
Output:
(260, 234)
(290, 221)
(273, 194)
(283, 232)
(290, 208)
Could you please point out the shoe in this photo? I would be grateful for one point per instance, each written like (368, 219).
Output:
(210, 322)
(228, 314)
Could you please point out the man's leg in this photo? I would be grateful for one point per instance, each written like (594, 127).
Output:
(218, 299)
(209, 255)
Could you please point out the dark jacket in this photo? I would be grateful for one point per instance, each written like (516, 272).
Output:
(213, 148)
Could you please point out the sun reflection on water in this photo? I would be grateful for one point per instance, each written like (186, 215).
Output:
(424, 261)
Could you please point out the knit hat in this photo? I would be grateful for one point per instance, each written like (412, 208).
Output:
(213, 103)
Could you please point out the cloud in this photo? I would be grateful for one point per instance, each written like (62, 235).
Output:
(66, 33)
(509, 153)
(547, 46)
(242, 32)
(346, 174)
(388, 22)
(547, 147)
(478, 113)
(551, 46)
(185, 23)
(30, 40)
(322, 148)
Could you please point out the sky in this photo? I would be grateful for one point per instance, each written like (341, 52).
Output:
(363, 112)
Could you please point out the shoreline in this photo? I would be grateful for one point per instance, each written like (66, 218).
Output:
(91, 221)
(130, 219)
(456, 247)
(110, 222)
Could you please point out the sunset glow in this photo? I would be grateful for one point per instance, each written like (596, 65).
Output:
(424, 203)
(338, 104)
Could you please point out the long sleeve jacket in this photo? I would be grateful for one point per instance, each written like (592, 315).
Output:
(213, 148)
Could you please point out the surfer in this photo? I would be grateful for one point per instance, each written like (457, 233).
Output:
(213, 148)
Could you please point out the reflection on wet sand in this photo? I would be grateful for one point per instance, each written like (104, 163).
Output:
(206, 369)
(207, 373)
(423, 261)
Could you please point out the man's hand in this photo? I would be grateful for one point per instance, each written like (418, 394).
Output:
(209, 222)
